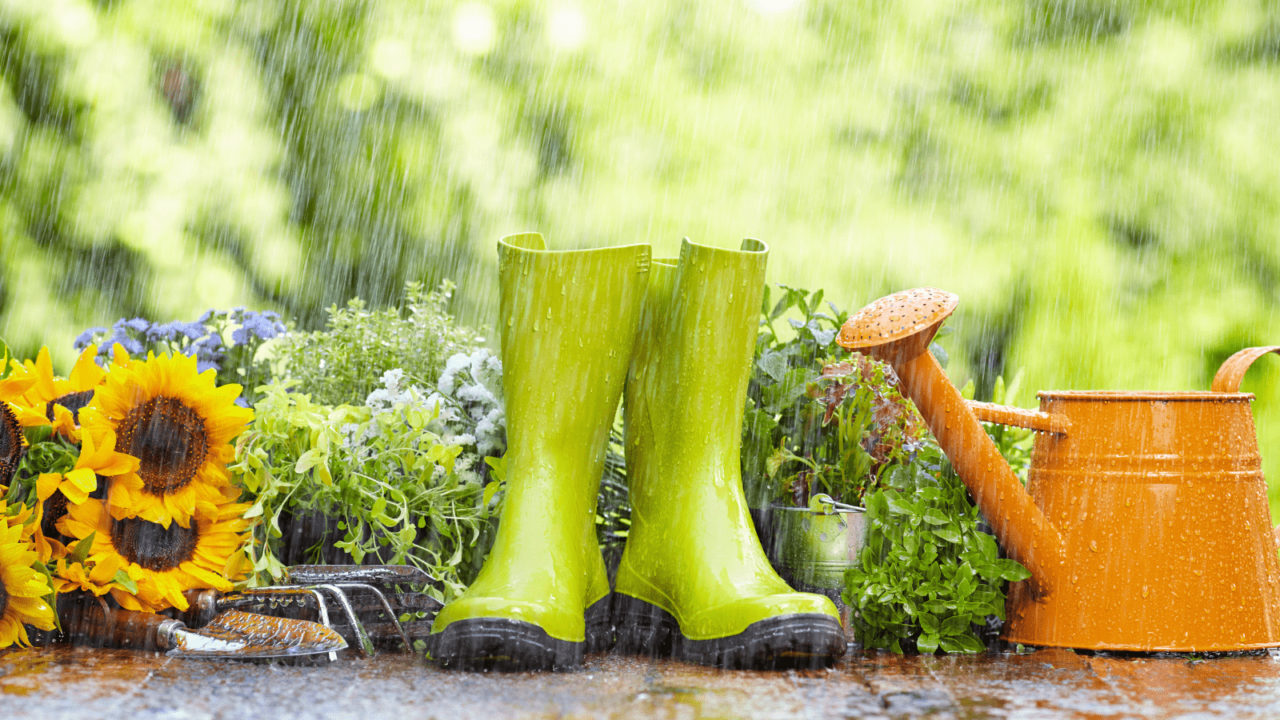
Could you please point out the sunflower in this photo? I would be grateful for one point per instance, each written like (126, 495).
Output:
(22, 589)
(56, 401)
(98, 578)
(97, 459)
(179, 426)
(164, 562)
(37, 532)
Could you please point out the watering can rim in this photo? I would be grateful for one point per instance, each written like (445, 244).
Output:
(1143, 395)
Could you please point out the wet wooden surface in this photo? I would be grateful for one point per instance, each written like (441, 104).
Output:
(84, 683)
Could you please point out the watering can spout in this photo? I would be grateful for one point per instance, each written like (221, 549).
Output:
(898, 329)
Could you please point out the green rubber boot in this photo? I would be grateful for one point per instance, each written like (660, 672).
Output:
(694, 581)
(569, 322)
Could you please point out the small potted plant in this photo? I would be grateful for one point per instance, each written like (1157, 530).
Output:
(854, 429)
(823, 429)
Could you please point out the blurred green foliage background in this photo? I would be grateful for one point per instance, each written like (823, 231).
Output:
(1097, 179)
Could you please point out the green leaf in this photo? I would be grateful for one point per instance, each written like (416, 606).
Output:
(490, 490)
(950, 533)
(815, 300)
(967, 644)
(781, 307)
(897, 506)
(38, 434)
(776, 460)
(927, 644)
(498, 466)
(122, 579)
(773, 364)
(956, 625)
(934, 516)
(80, 551)
(307, 461)
(941, 354)
(1012, 570)
(928, 623)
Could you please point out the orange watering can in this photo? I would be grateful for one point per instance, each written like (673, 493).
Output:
(1144, 523)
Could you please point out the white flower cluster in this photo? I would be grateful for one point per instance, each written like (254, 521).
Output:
(467, 405)
(469, 392)
(385, 398)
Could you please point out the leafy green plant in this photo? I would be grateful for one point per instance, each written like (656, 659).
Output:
(392, 483)
(818, 418)
(855, 427)
(927, 574)
(613, 506)
(785, 365)
(343, 363)
(46, 452)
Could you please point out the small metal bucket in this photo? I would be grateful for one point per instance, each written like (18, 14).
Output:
(812, 550)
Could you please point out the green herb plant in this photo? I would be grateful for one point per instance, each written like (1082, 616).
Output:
(854, 426)
(391, 482)
(785, 365)
(928, 575)
(342, 363)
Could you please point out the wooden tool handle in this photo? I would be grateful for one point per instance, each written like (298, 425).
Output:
(90, 622)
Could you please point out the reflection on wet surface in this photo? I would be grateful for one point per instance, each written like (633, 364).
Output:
(86, 683)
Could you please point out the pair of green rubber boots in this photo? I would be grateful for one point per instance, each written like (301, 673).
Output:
(577, 328)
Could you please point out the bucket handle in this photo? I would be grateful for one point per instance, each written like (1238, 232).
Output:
(1232, 371)
(823, 500)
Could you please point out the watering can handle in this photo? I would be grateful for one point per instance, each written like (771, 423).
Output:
(1232, 371)
(1017, 417)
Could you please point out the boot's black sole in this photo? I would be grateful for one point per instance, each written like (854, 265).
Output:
(514, 646)
(806, 640)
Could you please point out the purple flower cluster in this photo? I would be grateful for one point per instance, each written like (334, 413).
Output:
(200, 338)
(264, 325)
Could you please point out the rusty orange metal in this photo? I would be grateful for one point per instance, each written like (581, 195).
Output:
(1145, 521)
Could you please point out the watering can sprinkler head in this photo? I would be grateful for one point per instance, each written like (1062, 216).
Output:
(898, 327)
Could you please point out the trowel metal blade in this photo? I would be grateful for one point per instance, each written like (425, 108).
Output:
(367, 574)
(240, 635)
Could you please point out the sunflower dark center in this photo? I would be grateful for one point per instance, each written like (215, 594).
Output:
(169, 440)
(4, 599)
(71, 401)
(10, 443)
(148, 544)
(55, 508)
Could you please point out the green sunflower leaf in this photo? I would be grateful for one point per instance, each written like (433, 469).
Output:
(124, 581)
(80, 551)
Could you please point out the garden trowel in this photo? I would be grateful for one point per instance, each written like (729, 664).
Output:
(231, 635)
(368, 600)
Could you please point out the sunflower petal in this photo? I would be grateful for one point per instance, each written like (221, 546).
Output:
(47, 484)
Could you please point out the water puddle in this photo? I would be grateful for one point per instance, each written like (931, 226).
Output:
(61, 681)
